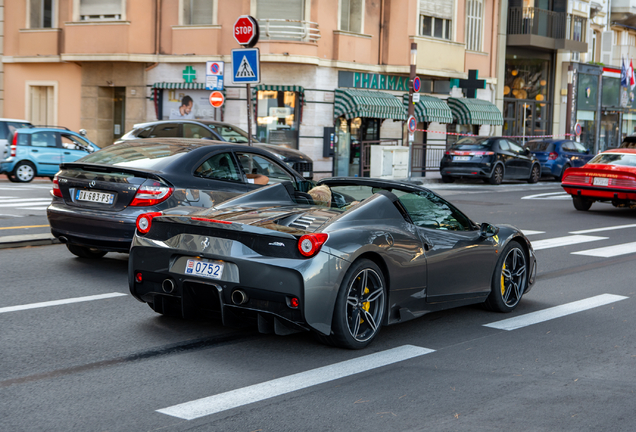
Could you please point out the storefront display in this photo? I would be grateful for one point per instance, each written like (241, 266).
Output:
(277, 117)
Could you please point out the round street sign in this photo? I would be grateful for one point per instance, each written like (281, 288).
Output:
(578, 129)
(216, 99)
(411, 124)
(215, 68)
(246, 30)
(417, 84)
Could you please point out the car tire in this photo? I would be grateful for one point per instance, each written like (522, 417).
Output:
(497, 175)
(560, 176)
(447, 179)
(24, 172)
(581, 204)
(11, 178)
(360, 306)
(508, 286)
(85, 252)
(535, 174)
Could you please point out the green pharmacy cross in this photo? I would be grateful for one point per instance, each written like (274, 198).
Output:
(472, 84)
(189, 74)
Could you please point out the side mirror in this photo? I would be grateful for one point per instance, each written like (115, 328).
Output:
(82, 132)
(487, 230)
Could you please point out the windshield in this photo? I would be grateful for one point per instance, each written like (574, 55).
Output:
(539, 145)
(146, 156)
(621, 159)
(473, 143)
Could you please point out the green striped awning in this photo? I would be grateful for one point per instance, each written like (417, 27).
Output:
(289, 88)
(430, 109)
(474, 112)
(367, 103)
(179, 86)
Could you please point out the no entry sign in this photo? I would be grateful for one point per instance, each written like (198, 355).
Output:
(216, 99)
(246, 30)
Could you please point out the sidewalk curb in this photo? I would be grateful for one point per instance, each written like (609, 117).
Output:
(18, 241)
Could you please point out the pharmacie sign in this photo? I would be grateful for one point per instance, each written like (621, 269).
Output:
(373, 81)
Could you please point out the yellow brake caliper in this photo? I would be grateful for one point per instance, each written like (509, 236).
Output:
(503, 286)
(365, 305)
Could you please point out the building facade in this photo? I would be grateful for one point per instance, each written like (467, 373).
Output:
(106, 65)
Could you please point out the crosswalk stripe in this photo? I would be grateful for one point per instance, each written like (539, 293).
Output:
(60, 302)
(22, 204)
(23, 200)
(609, 251)
(555, 312)
(33, 208)
(617, 227)
(564, 241)
(530, 232)
(269, 389)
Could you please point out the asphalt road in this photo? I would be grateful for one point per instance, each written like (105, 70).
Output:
(113, 364)
(23, 207)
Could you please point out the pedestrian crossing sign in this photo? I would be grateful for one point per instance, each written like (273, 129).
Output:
(246, 66)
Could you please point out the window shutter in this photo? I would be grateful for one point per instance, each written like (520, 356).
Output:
(100, 7)
(280, 9)
(590, 45)
(606, 47)
(437, 8)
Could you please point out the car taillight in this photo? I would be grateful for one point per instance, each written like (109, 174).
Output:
(14, 145)
(151, 192)
(144, 221)
(56, 188)
(553, 156)
(310, 244)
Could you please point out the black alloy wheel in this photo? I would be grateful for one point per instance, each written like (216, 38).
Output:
(84, 252)
(360, 306)
(497, 175)
(581, 204)
(534, 174)
(510, 279)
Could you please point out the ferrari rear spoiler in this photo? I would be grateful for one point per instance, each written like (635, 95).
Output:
(111, 169)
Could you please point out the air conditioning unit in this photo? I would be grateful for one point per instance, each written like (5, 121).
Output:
(389, 162)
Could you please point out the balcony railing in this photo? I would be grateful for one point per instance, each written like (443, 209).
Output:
(541, 22)
(290, 30)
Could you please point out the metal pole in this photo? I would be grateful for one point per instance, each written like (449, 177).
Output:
(411, 107)
(568, 110)
(249, 114)
(523, 135)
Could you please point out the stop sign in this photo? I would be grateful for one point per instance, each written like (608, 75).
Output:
(246, 30)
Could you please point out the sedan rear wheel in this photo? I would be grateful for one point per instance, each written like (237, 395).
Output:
(360, 306)
(84, 252)
(510, 279)
(497, 176)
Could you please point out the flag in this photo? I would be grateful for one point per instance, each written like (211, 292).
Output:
(624, 78)
(630, 73)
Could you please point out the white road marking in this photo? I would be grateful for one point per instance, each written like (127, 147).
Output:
(612, 228)
(530, 232)
(33, 208)
(22, 204)
(609, 251)
(60, 302)
(555, 312)
(269, 389)
(564, 241)
(23, 200)
(551, 195)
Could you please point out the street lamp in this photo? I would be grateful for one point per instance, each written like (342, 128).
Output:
(411, 108)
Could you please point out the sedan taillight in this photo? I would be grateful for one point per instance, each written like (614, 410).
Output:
(150, 193)
(56, 187)
(144, 221)
(310, 244)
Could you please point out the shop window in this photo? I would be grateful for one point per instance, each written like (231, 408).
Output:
(40, 13)
(278, 117)
(198, 12)
(474, 12)
(352, 15)
(96, 10)
(41, 110)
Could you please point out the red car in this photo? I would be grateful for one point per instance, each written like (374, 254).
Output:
(609, 177)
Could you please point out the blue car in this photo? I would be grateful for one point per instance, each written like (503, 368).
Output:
(557, 155)
(39, 152)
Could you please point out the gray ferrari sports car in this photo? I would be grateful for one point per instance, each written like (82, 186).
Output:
(372, 253)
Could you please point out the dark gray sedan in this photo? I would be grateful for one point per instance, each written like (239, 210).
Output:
(96, 200)
(376, 253)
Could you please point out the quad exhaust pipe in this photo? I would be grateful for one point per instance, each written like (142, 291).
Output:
(239, 297)
(167, 286)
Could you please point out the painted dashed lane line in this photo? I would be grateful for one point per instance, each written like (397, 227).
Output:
(258, 392)
(609, 251)
(60, 302)
(564, 241)
(555, 312)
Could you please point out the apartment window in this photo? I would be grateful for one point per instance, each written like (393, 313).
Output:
(352, 15)
(41, 109)
(272, 13)
(197, 12)
(474, 12)
(436, 18)
(91, 10)
(40, 13)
